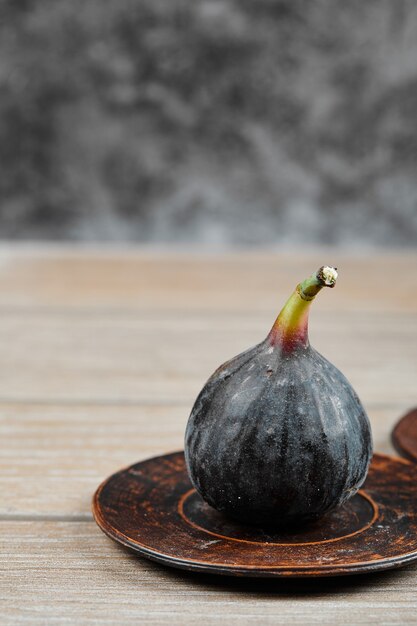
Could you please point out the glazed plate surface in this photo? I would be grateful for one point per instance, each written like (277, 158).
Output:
(152, 509)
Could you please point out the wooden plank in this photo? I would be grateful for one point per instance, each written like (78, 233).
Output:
(52, 458)
(69, 573)
(105, 358)
(65, 278)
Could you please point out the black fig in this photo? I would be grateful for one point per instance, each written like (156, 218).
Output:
(278, 436)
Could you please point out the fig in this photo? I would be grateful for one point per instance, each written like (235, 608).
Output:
(277, 435)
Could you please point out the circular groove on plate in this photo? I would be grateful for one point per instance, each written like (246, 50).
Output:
(354, 517)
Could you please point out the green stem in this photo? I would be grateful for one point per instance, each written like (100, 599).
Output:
(291, 326)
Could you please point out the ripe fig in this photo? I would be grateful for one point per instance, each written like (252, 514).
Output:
(278, 436)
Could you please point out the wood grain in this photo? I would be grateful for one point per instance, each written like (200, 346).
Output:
(53, 457)
(102, 353)
(115, 358)
(70, 573)
(115, 279)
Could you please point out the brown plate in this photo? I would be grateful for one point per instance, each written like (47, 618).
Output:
(404, 436)
(152, 509)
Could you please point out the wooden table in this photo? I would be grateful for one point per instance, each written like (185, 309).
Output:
(102, 355)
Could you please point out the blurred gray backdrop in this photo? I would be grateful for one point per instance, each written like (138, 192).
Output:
(209, 121)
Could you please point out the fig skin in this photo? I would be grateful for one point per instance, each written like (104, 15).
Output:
(278, 436)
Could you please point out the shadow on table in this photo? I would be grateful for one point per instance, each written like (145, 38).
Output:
(295, 587)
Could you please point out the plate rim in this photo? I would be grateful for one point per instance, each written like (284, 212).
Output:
(396, 439)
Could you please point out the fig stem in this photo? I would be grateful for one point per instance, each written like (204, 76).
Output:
(291, 326)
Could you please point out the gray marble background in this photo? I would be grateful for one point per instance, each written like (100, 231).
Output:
(209, 121)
